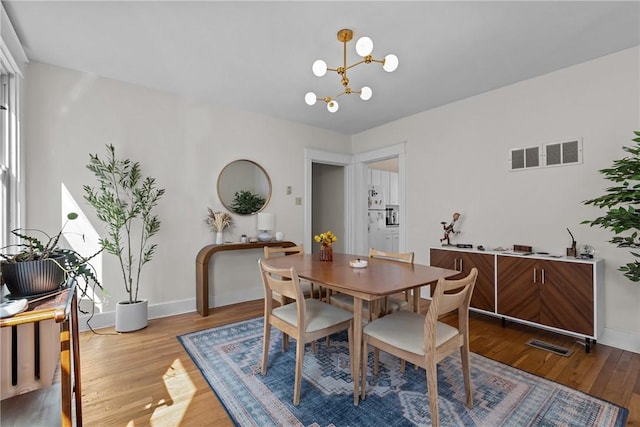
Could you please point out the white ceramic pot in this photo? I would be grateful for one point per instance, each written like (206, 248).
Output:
(219, 237)
(131, 316)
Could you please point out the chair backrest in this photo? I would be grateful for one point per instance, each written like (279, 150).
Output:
(401, 257)
(270, 252)
(283, 281)
(450, 295)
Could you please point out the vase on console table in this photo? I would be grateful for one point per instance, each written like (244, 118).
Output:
(219, 237)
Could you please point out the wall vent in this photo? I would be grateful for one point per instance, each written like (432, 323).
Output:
(563, 153)
(554, 154)
(524, 158)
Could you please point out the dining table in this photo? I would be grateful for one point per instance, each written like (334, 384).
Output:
(378, 279)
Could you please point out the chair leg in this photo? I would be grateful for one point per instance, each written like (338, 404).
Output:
(363, 373)
(265, 346)
(298, 376)
(285, 342)
(432, 390)
(466, 373)
(376, 360)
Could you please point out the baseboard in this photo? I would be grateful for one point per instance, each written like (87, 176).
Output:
(108, 319)
(619, 339)
(172, 308)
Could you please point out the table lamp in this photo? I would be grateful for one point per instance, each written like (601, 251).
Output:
(266, 222)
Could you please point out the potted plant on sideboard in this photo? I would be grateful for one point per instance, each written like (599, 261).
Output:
(39, 265)
(124, 202)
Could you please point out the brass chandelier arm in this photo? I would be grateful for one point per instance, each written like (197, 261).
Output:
(364, 47)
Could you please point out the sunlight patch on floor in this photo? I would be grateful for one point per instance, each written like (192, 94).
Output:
(180, 388)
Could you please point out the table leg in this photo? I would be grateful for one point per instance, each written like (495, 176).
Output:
(416, 299)
(357, 347)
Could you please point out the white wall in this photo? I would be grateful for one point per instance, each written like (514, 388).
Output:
(181, 142)
(457, 160)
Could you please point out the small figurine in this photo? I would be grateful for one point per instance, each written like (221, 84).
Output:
(448, 229)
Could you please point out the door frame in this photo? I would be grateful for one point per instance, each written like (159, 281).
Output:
(337, 159)
(361, 185)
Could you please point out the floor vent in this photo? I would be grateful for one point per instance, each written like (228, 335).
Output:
(549, 347)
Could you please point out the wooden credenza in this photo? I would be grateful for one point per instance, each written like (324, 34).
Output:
(559, 294)
(202, 267)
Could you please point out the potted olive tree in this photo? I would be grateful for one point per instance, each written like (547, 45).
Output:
(124, 202)
(621, 201)
(39, 265)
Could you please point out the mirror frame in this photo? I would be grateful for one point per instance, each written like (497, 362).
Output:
(227, 203)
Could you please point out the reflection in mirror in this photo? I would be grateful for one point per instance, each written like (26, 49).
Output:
(244, 187)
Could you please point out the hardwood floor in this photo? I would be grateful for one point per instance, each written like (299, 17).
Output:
(146, 378)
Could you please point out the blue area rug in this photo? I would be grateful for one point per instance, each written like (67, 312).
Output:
(229, 358)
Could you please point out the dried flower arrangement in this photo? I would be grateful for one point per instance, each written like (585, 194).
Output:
(218, 221)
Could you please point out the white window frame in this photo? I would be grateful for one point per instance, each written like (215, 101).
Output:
(12, 186)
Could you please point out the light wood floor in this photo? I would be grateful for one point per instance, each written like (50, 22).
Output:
(145, 378)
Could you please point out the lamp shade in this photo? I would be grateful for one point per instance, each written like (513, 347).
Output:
(310, 98)
(364, 46)
(319, 68)
(266, 221)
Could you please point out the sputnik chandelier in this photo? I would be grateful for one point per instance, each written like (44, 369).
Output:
(364, 47)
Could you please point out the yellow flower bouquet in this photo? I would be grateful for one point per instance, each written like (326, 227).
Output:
(325, 240)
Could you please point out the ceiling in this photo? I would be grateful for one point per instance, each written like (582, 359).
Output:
(257, 56)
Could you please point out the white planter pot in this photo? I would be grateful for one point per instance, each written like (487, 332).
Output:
(131, 317)
(219, 238)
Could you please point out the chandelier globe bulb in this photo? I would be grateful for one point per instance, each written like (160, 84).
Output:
(365, 93)
(310, 98)
(319, 68)
(332, 106)
(390, 63)
(364, 46)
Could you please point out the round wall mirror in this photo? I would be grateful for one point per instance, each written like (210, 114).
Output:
(244, 187)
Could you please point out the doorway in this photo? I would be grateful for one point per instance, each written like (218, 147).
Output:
(327, 199)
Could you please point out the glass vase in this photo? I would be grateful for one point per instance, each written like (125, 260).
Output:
(326, 253)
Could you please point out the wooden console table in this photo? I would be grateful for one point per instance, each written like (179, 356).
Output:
(63, 308)
(202, 267)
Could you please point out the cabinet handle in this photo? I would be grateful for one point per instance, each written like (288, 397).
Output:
(455, 263)
(543, 276)
(461, 269)
(534, 276)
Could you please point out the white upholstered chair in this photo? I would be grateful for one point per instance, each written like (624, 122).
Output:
(305, 320)
(423, 340)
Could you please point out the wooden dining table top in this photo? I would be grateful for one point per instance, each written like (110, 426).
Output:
(380, 278)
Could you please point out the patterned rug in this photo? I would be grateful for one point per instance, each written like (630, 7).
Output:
(229, 358)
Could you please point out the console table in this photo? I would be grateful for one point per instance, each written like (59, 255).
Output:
(202, 267)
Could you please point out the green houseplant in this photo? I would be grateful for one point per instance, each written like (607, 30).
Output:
(124, 202)
(39, 264)
(621, 201)
(246, 203)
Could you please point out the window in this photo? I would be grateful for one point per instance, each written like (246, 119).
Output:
(11, 189)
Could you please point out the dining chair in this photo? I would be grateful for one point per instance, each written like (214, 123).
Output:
(307, 287)
(304, 319)
(390, 304)
(423, 340)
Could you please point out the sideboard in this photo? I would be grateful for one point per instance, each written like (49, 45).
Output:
(561, 294)
(202, 267)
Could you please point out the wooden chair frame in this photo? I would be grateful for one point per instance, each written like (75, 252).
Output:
(286, 283)
(449, 296)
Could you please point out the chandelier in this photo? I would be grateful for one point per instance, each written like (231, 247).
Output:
(364, 47)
